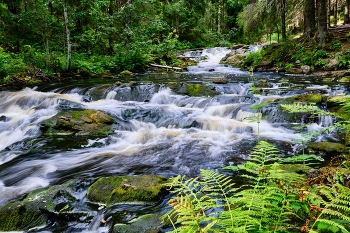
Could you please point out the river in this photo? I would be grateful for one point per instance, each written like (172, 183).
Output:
(156, 132)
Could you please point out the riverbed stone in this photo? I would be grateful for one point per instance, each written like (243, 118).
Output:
(149, 223)
(295, 71)
(200, 89)
(328, 148)
(83, 122)
(129, 189)
(38, 207)
(335, 103)
(220, 80)
(235, 60)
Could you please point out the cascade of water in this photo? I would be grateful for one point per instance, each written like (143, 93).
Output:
(209, 62)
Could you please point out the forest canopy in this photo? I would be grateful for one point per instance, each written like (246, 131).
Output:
(116, 35)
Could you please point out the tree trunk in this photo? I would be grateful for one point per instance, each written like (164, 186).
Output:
(309, 18)
(322, 32)
(283, 19)
(328, 13)
(346, 12)
(335, 12)
(110, 37)
(66, 22)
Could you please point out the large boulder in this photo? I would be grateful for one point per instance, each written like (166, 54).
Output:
(83, 122)
(129, 189)
(328, 148)
(54, 202)
(235, 60)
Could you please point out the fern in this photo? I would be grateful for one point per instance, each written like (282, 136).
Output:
(335, 203)
(303, 108)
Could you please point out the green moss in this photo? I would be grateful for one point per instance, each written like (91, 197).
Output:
(309, 98)
(111, 190)
(18, 217)
(331, 148)
(126, 73)
(345, 79)
(32, 211)
(199, 89)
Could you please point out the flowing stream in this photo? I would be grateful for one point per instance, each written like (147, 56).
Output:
(156, 132)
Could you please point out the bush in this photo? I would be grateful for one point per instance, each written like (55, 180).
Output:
(254, 58)
(10, 64)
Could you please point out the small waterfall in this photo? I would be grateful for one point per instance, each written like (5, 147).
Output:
(209, 62)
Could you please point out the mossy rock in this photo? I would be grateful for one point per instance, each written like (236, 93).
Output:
(344, 79)
(329, 148)
(308, 98)
(84, 122)
(335, 103)
(235, 60)
(126, 73)
(119, 189)
(149, 223)
(200, 89)
(220, 81)
(35, 209)
(100, 91)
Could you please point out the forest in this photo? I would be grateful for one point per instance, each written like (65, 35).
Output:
(43, 37)
(232, 151)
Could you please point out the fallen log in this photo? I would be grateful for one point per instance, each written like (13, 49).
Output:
(165, 67)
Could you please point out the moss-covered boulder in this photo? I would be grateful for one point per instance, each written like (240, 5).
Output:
(193, 89)
(119, 189)
(200, 89)
(84, 122)
(328, 148)
(308, 98)
(126, 73)
(37, 208)
(149, 223)
(335, 103)
(235, 60)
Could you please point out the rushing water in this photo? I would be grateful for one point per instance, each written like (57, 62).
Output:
(156, 132)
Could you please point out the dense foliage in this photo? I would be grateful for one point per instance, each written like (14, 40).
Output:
(101, 36)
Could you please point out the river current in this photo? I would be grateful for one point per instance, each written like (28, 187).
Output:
(156, 132)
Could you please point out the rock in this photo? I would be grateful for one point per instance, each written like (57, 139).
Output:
(220, 81)
(211, 70)
(344, 79)
(295, 71)
(149, 223)
(4, 118)
(306, 69)
(38, 207)
(126, 73)
(237, 46)
(200, 89)
(313, 173)
(308, 98)
(120, 189)
(332, 64)
(84, 122)
(329, 148)
(83, 73)
(264, 66)
(335, 103)
(235, 60)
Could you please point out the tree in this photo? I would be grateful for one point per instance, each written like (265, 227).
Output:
(66, 22)
(309, 18)
(347, 12)
(322, 32)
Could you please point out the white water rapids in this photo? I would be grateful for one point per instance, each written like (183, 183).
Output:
(168, 134)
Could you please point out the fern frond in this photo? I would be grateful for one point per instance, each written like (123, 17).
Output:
(328, 223)
(303, 108)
